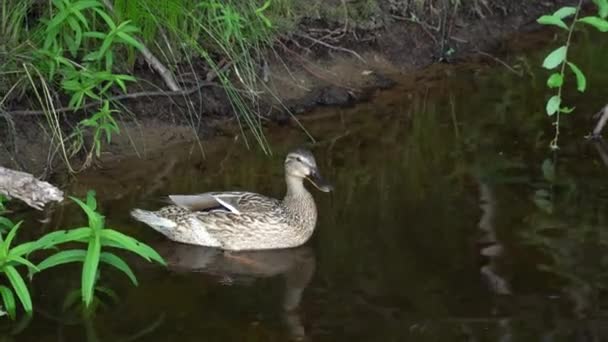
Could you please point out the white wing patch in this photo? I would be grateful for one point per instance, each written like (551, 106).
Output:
(227, 205)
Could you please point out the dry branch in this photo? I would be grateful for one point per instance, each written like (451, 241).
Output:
(208, 82)
(601, 122)
(118, 98)
(24, 186)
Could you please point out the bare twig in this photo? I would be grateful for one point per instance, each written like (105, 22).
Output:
(312, 72)
(27, 188)
(119, 98)
(601, 122)
(602, 149)
(211, 75)
(154, 62)
(334, 47)
(498, 60)
(422, 25)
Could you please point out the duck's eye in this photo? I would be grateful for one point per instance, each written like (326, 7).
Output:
(299, 159)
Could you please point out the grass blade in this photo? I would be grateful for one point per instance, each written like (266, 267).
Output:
(118, 263)
(89, 270)
(123, 241)
(9, 301)
(19, 286)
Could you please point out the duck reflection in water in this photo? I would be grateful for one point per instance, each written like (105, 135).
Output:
(295, 265)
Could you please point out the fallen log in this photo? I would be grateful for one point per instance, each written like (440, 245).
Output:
(35, 193)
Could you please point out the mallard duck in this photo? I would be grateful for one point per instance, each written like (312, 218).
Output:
(244, 220)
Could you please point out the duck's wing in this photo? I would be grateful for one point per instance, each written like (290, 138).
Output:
(235, 202)
(199, 202)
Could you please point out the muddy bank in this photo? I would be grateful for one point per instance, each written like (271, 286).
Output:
(304, 71)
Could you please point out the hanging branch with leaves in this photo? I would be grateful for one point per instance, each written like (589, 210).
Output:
(558, 58)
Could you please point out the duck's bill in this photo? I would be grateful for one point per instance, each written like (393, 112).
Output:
(320, 183)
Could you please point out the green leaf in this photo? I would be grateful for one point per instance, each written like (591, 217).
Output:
(23, 249)
(89, 269)
(95, 219)
(581, 80)
(553, 105)
(19, 286)
(555, 58)
(9, 238)
(109, 63)
(567, 110)
(602, 8)
(6, 223)
(106, 18)
(599, 23)
(121, 84)
(9, 301)
(552, 20)
(118, 263)
(91, 201)
(555, 80)
(130, 40)
(62, 236)
(25, 262)
(94, 34)
(120, 240)
(565, 12)
(264, 7)
(63, 257)
(70, 299)
(111, 294)
(105, 46)
(54, 24)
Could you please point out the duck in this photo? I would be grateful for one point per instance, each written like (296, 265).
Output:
(239, 220)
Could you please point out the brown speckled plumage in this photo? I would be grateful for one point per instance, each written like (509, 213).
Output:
(244, 220)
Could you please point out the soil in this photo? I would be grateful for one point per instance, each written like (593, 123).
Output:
(367, 58)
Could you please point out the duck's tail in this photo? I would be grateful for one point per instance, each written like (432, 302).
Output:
(152, 219)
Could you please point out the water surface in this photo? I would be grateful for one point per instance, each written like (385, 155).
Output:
(451, 220)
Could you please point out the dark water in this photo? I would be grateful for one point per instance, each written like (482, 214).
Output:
(451, 221)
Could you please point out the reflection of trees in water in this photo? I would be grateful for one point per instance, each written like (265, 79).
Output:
(570, 229)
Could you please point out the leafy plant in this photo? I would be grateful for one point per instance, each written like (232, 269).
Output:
(558, 58)
(12, 257)
(97, 237)
(3, 200)
(88, 32)
(102, 123)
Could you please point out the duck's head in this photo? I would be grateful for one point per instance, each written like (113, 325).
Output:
(300, 163)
